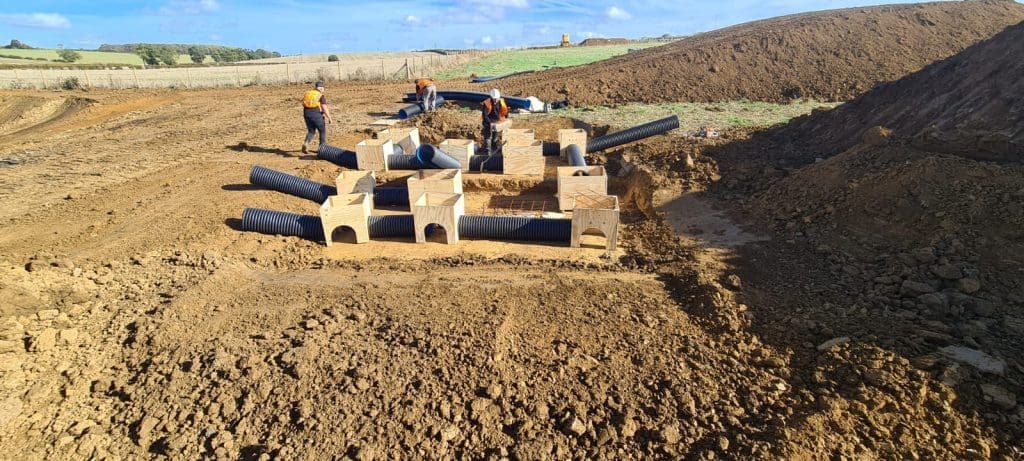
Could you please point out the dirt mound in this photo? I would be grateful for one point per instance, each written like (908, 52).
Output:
(968, 104)
(830, 55)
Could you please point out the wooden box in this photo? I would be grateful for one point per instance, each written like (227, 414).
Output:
(372, 154)
(596, 212)
(440, 209)
(518, 136)
(580, 180)
(459, 149)
(348, 210)
(569, 137)
(523, 159)
(406, 138)
(438, 181)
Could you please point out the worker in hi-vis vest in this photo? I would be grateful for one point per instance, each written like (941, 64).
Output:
(426, 92)
(315, 113)
(494, 111)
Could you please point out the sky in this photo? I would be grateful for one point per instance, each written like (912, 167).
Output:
(314, 26)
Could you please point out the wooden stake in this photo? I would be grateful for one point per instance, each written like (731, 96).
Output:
(136, 76)
(288, 70)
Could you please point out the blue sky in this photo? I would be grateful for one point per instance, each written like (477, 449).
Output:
(313, 26)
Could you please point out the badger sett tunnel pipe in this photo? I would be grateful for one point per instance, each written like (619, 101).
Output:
(413, 110)
(317, 192)
(513, 228)
(633, 134)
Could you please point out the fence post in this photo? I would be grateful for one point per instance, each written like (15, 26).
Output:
(88, 82)
(238, 77)
(339, 70)
(407, 76)
(188, 78)
(42, 76)
(288, 71)
(382, 75)
(16, 79)
(136, 76)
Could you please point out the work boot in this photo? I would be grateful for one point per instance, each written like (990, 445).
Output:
(305, 148)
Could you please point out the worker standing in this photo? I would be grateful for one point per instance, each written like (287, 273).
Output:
(494, 111)
(315, 113)
(426, 92)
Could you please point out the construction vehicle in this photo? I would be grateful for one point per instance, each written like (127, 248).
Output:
(565, 40)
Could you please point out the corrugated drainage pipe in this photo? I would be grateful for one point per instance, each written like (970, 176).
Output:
(575, 154)
(337, 156)
(521, 228)
(633, 134)
(293, 185)
(281, 223)
(486, 163)
(390, 196)
(430, 155)
(551, 148)
(406, 162)
(518, 228)
(475, 97)
(413, 110)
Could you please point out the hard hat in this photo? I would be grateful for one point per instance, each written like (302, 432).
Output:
(318, 85)
(495, 94)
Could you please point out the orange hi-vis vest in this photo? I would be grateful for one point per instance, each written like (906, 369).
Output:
(422, 84)
(311, 100)
(489, 108)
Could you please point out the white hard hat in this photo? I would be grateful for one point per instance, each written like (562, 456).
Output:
(495, 94)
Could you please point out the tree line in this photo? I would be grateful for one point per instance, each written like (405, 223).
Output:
(154, 54)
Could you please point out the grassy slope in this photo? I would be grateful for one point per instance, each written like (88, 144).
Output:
(506, 62)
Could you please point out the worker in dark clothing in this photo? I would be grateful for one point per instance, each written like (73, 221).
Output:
(315, 113)
(494, 111)
(426, 93)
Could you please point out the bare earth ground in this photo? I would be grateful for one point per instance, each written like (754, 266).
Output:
(138, 323)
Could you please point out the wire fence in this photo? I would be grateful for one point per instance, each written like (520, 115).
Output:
(355, 67)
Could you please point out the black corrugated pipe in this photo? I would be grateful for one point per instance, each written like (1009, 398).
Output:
(390, 226)
(337, 156)
(519, 228)
(293, 185)
(413, 110)
(633, 134)
(575, 154)
(390, 196)
(477, 97)
(486, 163)
(406, 162)
(281, 223)
(430, 155)
(551, 148)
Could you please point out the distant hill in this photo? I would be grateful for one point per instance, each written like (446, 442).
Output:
(219, 53)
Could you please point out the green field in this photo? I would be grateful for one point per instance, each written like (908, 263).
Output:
(509, 61)
(88, 57)
(695, 115)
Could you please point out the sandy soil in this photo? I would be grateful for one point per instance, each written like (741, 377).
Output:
(138, 323)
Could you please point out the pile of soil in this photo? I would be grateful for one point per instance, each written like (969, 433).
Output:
(830, 56)
(969, 104)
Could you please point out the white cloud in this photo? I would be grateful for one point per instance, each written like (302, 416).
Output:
(42, 20)
(618, 14)
(189, 7)
(412, 20)
(486, 40)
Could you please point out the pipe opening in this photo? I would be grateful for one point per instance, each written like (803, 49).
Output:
(343, 234)
(593, 238)
(436, 233)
